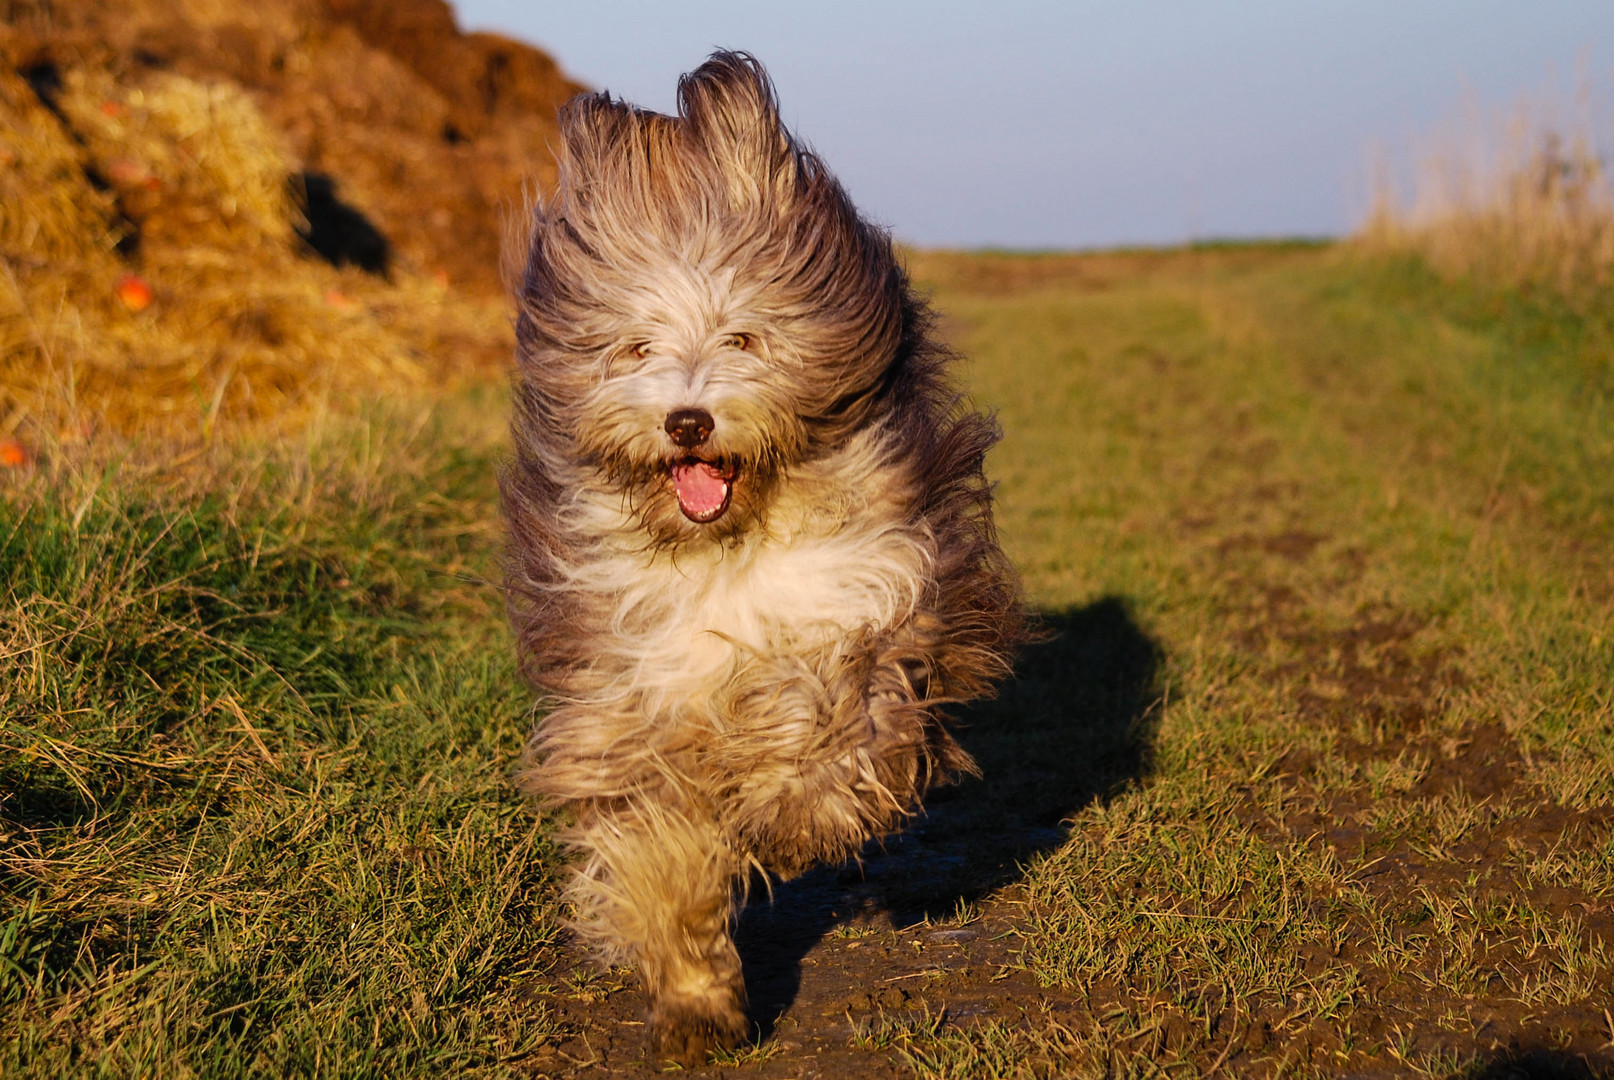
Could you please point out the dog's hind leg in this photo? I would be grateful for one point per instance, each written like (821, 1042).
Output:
(658, 888)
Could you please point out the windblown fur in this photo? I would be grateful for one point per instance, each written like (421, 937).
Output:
(752, 551)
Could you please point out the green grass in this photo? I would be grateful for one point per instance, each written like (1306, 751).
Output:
(253, 753)
(1329, 717)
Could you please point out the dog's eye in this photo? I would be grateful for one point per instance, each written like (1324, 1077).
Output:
(743, 342)
(641, 350)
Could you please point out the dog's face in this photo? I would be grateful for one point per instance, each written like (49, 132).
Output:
(702, 306)
(692, 409)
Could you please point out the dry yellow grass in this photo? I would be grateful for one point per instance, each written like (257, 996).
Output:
(1524, 202)
(211, 171)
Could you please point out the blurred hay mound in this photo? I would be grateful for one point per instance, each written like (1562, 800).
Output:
(215, 210)
(1524, 204)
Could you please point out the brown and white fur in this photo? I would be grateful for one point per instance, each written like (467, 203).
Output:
(751, 550)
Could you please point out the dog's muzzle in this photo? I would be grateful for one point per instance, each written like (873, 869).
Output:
(703, 487)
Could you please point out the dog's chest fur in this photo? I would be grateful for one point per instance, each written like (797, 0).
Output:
(839, 555)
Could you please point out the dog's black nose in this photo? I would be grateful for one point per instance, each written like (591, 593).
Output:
(689, 427)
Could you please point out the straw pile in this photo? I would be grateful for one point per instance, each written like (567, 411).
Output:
(171, 173)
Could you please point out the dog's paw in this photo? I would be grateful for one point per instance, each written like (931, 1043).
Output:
(687, 1031)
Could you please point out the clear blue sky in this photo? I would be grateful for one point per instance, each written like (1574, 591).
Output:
(1036, 124)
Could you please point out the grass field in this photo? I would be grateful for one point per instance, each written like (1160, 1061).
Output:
(1316, 776)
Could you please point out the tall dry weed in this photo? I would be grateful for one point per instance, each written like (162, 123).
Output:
(1521, 202)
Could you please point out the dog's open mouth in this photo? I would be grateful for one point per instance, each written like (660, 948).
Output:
(703, 488)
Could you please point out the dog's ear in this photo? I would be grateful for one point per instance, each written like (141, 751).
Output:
(729, 106)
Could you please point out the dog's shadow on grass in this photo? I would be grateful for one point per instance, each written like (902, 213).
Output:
(1075, 724)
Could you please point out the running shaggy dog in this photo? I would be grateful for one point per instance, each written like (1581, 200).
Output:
(752, 552)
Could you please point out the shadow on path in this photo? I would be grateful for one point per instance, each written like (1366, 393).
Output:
(1540, 1065)
(1075, 724)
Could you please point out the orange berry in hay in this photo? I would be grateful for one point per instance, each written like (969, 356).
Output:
(13, 454)
(134, 292)
(125, 173)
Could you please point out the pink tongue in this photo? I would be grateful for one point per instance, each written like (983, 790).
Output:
(701, 488)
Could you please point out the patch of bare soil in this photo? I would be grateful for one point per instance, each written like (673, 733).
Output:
(1456, 935)
(821, 971)
(1441, 824)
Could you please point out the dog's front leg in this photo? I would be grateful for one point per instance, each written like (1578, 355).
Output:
(658, 888)
(827, 749)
